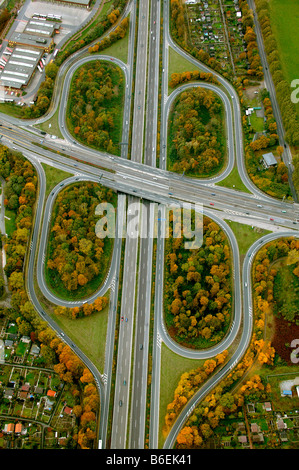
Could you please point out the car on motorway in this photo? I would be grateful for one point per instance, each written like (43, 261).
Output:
(259, 205)
(245, 284)
(125, 383)
(120, 403)
(126, 319)
(283, 212)
(271, 218)
(212, 204)
(122, 318)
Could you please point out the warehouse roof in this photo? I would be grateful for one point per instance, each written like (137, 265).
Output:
(42, 28)
(20, 67)
(30, 40)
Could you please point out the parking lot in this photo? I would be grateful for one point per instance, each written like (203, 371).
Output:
(71, 16)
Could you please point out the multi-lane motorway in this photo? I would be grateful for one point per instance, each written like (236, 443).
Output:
(137, 178)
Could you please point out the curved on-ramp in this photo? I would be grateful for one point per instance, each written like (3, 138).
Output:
(243, 343)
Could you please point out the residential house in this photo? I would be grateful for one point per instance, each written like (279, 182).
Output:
(241, 427)
(25, 339)
(35, 350)
(258, 437)
(18, 428)
(280, 424)
(22, 395)
(8, 393)
(68, 410)
(267, 406)
(48, 405)
(9, 428)
(269, 160)
(250, 408)
(242, 440)
(255, 428)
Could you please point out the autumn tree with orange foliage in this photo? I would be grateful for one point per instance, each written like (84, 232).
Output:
(188, 384)
(197, 289)
(76, 255)
(197, 138)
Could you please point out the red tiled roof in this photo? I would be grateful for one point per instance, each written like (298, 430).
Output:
(68, 410)
(10, 427)
(18, 427)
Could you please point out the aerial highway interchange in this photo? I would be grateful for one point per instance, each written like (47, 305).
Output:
(137, 178)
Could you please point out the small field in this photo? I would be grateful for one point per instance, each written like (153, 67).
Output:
(233, 180)
(54, 176)
(89, 334)
(246, 235)
(284, 22)
(173, 366)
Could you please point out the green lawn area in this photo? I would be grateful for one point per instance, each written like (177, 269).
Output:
(11, 110)
(246, 235)
(89, 334)
(233, 180)
(172, 367)
(119, 49)
(178, 64)
(257, 123)
(274, 378)
(10, 225)
(54, 176)
(51, 126)
(284, 16)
